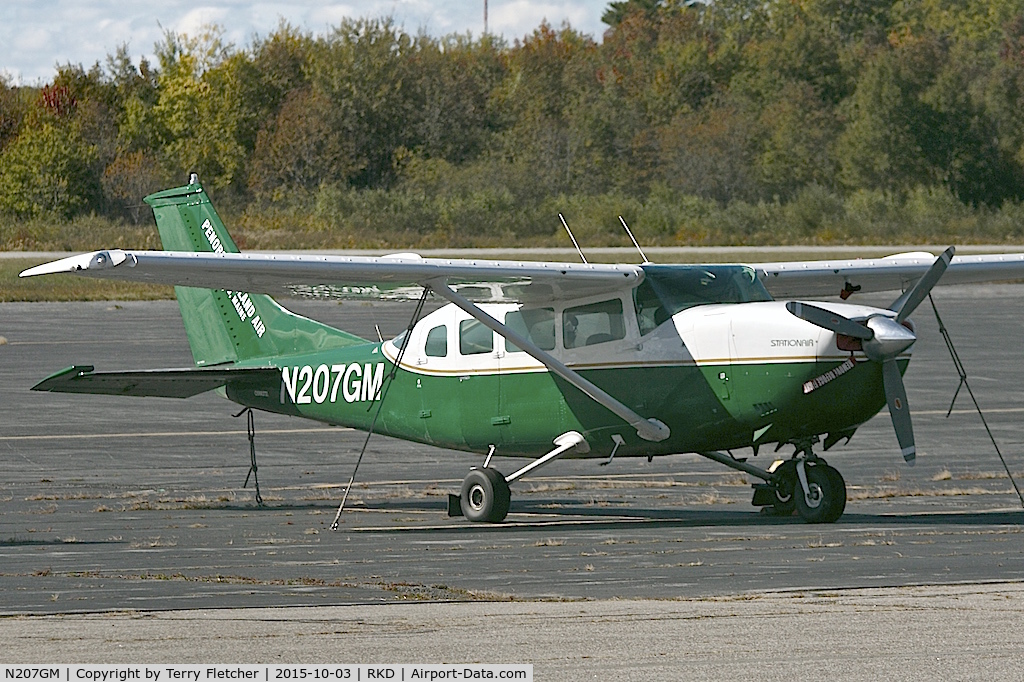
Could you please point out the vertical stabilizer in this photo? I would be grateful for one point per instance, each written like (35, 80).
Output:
(228, 326)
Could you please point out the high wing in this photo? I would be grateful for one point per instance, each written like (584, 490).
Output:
(814, 279)
(352, 277)
(462, 282)
(153, 383)
(481, 281)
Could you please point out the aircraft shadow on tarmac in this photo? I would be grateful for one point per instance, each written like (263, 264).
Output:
(18, 542)
(567, 514)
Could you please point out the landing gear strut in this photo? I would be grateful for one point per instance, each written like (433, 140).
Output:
(485, 494)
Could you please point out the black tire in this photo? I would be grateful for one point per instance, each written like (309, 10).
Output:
(828, 495)
(485, 496)
(784, 501)
(839, 496)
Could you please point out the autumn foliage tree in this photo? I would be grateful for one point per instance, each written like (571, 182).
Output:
(729, 120)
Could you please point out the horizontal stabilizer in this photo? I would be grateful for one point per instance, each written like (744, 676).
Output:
(158, 383)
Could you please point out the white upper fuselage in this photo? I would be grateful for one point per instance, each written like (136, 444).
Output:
(737, 333)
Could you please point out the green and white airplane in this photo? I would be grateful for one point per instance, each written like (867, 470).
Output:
(546, 360)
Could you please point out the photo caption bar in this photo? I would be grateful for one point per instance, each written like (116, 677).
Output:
(267, 673)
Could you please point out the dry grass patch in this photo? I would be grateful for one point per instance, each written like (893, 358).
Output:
(888, 493)
(549, 542)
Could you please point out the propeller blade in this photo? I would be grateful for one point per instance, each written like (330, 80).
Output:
(899, 409)
(908, 302)
(829, 320)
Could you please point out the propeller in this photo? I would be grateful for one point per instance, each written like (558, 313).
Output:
(908, 302)
(829, 320)
(883, 338)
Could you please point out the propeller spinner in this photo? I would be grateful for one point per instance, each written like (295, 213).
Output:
(883, 338)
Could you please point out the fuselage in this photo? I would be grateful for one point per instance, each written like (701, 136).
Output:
(720, 376)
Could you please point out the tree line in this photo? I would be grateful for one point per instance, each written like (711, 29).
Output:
(732, 121)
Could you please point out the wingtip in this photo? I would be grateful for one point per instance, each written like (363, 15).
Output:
(94, 260)
(69, 264)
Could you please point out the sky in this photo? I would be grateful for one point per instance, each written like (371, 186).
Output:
(37, 35)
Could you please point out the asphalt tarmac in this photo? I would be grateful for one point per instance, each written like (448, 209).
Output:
(112, 505)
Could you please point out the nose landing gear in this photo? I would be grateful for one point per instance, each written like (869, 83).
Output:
(821, 494)
(806, 484)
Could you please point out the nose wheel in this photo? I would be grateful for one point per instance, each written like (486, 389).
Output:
(816, 491)
(820, 492)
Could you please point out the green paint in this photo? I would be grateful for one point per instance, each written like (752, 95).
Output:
(522, 413)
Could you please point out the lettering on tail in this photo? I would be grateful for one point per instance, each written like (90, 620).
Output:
(243, 305)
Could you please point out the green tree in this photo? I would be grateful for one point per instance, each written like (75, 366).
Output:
(135, 93)
(12, 111)
(299, 150)
(454, 78)
(893, 140)
(711, 153)
(363, 69)
(547, 75)
(617, 12)
(199, 112)
(795, 150)
(47, 171)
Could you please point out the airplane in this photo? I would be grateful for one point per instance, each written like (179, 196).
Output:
(545, 360)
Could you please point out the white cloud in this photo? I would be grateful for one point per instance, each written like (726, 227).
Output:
(518, 18)
(195, 19)
(35, 35)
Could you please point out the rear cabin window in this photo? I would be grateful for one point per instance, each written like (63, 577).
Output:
(474, 338)
(594, 323)
(536, 324)
(437, 342)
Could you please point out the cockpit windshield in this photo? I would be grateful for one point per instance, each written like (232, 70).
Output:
(667, 289)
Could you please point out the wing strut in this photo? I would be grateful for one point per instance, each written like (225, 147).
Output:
(648, 429)
(380, 403)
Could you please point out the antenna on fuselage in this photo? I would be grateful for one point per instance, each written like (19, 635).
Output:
(633, 239)
(578, 249)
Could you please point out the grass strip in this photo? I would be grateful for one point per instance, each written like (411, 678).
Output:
(70, 287)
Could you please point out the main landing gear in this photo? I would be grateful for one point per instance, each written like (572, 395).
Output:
(485, 494)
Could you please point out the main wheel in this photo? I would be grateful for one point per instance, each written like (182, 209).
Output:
(826, 499)
(485, 496)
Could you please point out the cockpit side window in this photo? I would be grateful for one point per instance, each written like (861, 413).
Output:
(650, 311)
(593, 323)
(437, 342)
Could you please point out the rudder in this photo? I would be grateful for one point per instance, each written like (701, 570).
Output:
(229, 326)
